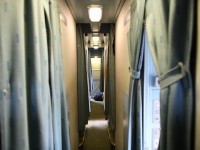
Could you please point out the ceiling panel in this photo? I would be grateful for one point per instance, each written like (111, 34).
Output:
(111, 9)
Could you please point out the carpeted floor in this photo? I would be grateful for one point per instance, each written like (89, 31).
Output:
(96, 136)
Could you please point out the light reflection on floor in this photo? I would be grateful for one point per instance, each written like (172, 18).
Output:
(96, 136)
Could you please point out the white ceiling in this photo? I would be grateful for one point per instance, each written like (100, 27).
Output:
(111, 9)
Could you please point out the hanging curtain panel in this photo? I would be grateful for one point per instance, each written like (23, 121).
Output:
(87, 72)
(102, 73)
(136, 50)
(91, 83)
(31, 91)
(169, 27)
(106, 81)
(83, 99)
(37, 78)
(13, 84)
(110, 96)
(59, 105)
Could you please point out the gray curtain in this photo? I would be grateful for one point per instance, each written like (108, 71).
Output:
(110, 97)
(83, 99)
(169, 27)
(59, 104)
(13, 95)
(91, 82)
(102, 72)
(31, 77)
(136, 51)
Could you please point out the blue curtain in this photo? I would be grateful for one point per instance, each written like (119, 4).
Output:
(169, 27)
(33, 111)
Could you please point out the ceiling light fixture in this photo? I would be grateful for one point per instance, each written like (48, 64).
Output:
(95, 38)
(95, 12)
(95, 46)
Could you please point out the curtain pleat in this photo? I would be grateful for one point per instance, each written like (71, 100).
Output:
(136, 50)
(83, 99)
(31, 82)
(13, 96)
(102, 73)
(110, 97)
(169, 27)
(59, 105)
(91, 83)
(56, 99)
(106, 81)
(37, 73)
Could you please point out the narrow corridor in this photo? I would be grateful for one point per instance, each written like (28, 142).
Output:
(96, 136)
(141, 57)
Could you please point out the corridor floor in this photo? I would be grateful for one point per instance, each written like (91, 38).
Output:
(96, 136)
